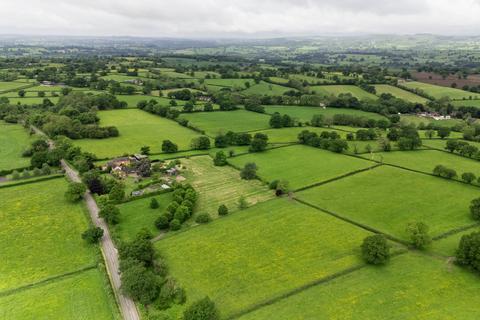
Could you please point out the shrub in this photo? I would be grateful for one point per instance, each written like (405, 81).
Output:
(46, 169)
(110, 214)
(249, 172)
(203, 309)
(468, 252)
(273, 185)
(242, 203)
(75, 191)
(154, 203)
(220, 159)
(175, 225)
(475, 208)
(162, 222)
(203, 218)
(15, 175)
(375, 249)
(169, 147)
(92, 234)
(222, 210)
(418, 233)
(468, 177)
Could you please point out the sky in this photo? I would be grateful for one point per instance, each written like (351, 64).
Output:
(240, 18)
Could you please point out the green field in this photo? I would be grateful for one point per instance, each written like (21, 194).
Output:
(439, 92)
(122, 78)
(416, 120)
(42, 231)
(32, 100)
(300, 165)
(440, 144)
(229, 83)
(11, 85)
(305, 114)
(45, 88)
(136, 215)
(426, 160)
(338, 89)
(467, 103)
(14, 139)
(214, 123)
(267, 89)
(81, 296)
(409, 287)
(137, 128)
(221, 185)
(133, 100)
(399, 93)
(261, 252)
(388, 198)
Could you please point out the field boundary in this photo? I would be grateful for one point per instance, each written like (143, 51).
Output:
(46, 281)
(455, 231)
(21, 183)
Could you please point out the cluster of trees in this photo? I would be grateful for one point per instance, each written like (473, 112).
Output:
(200, 143)
(468, 252)
(179, 210)
(444, 172)
(36, 172)
(463, 148)
(107, 187)
(152, 106)
(254, 104)
(326, 140)
(365, 134)
(279, 121)
(406, 137)
(257, 143)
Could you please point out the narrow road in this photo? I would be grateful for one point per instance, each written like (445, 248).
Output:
(110, 254)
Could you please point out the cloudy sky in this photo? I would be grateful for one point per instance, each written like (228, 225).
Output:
(239, 18)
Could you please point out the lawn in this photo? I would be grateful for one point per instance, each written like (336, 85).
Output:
(136, 215)
(137, 128)
(426, 160)
(11, 85)
(42, 231)
(261, 252)
(80, 296)
(305, 114)
(439, 92)
(222, 121)
(399, 93)
(388, 198)
(221, 185)
(335, 90)
(267, 89)
(409, 287)
(14, 139)
(300, 165)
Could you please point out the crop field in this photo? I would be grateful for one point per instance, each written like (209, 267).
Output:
(222, 121)
(137, 215)
(305, 114)
(12, 85)
(399, 93)
(221, 185)
(32, 255)
(14, 139)
(426, 160)
(338, 89)
(316, 165)
(267, 89)
(385, 198)
(261, 252)
(80, 296)
(137, 128)
(410, 285)
(439, 92)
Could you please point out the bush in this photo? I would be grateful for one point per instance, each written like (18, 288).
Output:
(222, 210)
(154, 203)
(220, 159)
(93, 234)
(418, 233)
(162, 222)
(169, 147)
(475, 208)
(468, 252)
(273, 185)
(175, 225)
(203, 309)
(140, 284)
(468, 177)
(203, 218)
(249, 172)
(75, 191)
(242, 203)
(375, 249)
(110, 214)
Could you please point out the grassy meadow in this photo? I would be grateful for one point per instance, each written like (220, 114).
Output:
(305, 114)
(335, 90)
(137, 128)
(14, 139)
(400, 93)
(439, 92)
(300, 165)
(267, 89)
(260, 252)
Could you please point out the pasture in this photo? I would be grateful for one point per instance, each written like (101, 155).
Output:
(410, 284)
(80, 296)
(214, 123)
(11, 85)
(14, 139)
(259, 253)
(426, 160)
(400, 93)
(267, 89)
(305, 114)
(416, 120)
(467, 103)
(335, 90)
(137, 128)
(137, 215)
(221, 185)
(300, 165)
(133, 100)
(229, 83)
(387, 199)
(31, 100)
(438, 92)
